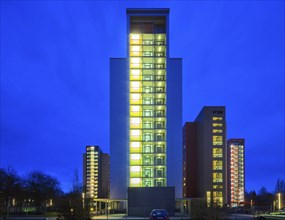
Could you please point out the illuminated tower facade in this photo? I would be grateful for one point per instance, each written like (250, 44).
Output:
(96, 173)
(235, 162)
(145, 102)
(148, 98)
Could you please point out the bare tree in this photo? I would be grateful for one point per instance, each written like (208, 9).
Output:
(41, 187)
(76, 186)
(71, 206)
(10, 188)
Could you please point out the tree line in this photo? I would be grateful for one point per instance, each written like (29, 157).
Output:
(39, 193)
(264, 198)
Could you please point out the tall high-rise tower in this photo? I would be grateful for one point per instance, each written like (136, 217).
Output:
(211, 141)
(96, 173)
(235, 163)
(145, 102)
(204, 161)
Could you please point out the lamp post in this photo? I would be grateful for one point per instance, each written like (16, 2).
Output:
(279, 201)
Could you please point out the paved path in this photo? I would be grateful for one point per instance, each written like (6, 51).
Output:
(30, 218)
(123, 217)
(274, 217)
(241, 217)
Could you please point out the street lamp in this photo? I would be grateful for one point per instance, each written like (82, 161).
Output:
(279, 200)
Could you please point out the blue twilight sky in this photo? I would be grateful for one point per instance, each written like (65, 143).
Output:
(55, 77)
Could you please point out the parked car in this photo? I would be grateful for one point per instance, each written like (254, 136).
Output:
(159, 214)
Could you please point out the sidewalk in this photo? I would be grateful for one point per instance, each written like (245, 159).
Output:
(29, 218)
(123, 217)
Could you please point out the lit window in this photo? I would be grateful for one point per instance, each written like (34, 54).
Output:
(135, 144)
(218, 198)
(135, 160)
(135, 48)
(135, 134)
(135, 87)
(208, 198)
(217, 131)
(217, 125)
(135, 123)
(135, 156)
(135, 60)
(135, 36)
(217, 118)
(135, 168)
(135, 181)
(217, 152)
(135, 84)
(135, 110)
(135, 72)
(217, 177)
(135, 96)
(217, 165)
(217, 140)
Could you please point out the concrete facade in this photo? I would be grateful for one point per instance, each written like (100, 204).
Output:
(205, 156)
(207, 183)
(119, 127)
(190, 160)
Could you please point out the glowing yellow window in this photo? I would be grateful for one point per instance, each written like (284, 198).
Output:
(218, 198)
(135, 147)
(136, 159)
(136, 135)
(135, 171)
(217, 131)
(135, 36)
(217, 193)
(217, 165)
(136, 86)
(208, 198)
(217, 118)
(217, 125)
(217, 186)
(136, 123)
(135, 48)
(217, 177)
(135, 110)
(136, 98)
(136, 51)
(136, 74)
(135, 62)
(217, 140)
(135, 182)
(135, 39)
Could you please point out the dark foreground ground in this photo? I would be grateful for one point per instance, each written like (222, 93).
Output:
(123, 217)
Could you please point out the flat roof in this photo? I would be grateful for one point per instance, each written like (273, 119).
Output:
(147, 10)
